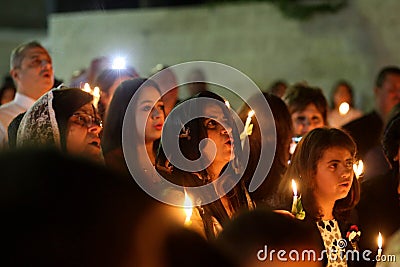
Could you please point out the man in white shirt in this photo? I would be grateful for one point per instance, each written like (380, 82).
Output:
(32, 71)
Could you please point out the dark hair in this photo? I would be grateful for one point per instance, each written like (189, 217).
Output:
(18, 53)
(303, 168)
(112, 134)
(335, 89)
(65, 102)
(284, 131)
(189, 147)
(301, 95)
(108, 77)
(391, 136)
(383, 73)
(8, 84)
(253, 230)
(276, 86)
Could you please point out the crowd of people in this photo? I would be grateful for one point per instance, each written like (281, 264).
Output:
(70, 161)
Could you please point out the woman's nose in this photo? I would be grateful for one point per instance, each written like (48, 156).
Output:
(95, 129)
(226, 130)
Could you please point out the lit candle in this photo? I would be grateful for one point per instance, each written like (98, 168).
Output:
(294, 204)
(247, 127)
(380, 241)
(358, 168)
(87, 88)
(188, 208)
(227, 104)
(344, 108)
(96, 96)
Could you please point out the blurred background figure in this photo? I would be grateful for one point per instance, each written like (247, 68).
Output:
(7, 90)
(252, 237)
(196, 87)
(168, 83)
(379, 207)
(31, 69)
(64, 119)
(108, 80)
(367, 130)
(308, 109)
(63, 211)
(342, 105)
(284, 132)
(278, 88)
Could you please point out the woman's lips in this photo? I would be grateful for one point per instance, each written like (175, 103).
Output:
(158, 126)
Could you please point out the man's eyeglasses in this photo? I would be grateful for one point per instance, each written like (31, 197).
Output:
(87, 120)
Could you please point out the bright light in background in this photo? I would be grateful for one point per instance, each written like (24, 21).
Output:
(118, 63)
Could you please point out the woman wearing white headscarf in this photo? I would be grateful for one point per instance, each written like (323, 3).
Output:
(65, 119)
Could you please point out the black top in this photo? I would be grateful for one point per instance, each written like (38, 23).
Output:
(366, 132)
(379, 209)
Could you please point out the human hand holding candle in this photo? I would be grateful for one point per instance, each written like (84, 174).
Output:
(380, 242)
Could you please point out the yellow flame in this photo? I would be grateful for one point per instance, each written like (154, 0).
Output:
(380, 240)
(250, 114)
(294, 187)
(227, 104)
(87, 88)
(188, 207)
(358, 168)
(344, 108)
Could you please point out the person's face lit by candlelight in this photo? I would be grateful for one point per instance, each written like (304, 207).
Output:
(218, 134)
(334, 174)
(149, 115)
(307, 120)
(83, 130)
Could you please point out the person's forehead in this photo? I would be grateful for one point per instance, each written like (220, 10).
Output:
(35, 51)
(88, 109)
(149, 93)
(212, 109)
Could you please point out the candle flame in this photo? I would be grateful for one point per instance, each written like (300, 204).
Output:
(227, 104)
(380, 240)
(344, 108)
(358, 168)
(294, 187)
(188, 207)
(87, 88)
(250, 114)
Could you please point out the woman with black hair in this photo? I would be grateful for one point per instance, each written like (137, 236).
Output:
(65, 119)
(210, 141)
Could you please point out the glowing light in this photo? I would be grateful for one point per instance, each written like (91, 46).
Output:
(188, 207)
(344, 108)
(294, 187)
(227, 104)
(119, 63)
(358, 168)
(380, 242)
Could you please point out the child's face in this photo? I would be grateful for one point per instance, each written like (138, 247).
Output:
(307, 120)
(334, 174)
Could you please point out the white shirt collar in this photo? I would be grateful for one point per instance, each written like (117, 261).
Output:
(24, 101)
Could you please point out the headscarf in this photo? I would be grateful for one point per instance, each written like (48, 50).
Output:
(45, 123)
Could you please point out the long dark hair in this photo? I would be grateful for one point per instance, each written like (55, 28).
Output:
(190, 148)
(303, 168)
(284, 132)
(112, 134)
